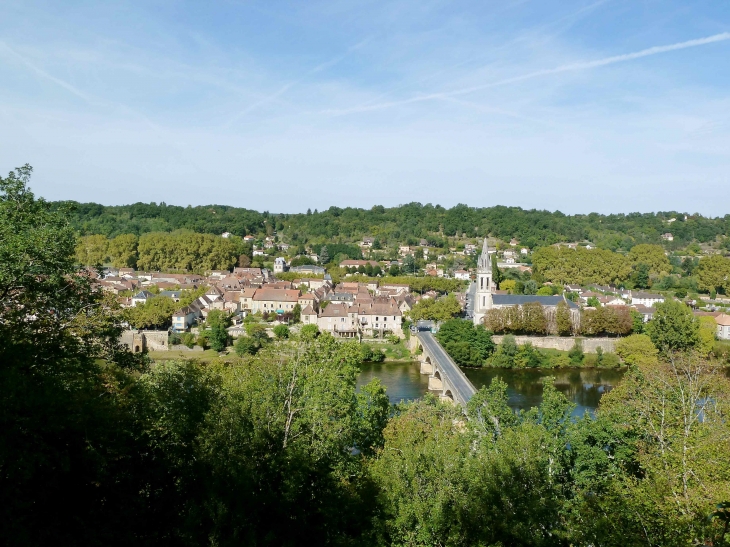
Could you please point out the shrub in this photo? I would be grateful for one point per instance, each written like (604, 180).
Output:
(281, 332)
(576, 354)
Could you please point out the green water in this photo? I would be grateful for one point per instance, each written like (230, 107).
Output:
(583, 387)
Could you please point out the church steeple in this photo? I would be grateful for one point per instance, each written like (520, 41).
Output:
(484, 285)
(485, 262)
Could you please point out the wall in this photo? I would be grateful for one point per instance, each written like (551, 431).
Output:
(564, 343)
(151, 340)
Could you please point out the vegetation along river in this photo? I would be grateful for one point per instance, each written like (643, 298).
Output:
(583, 387)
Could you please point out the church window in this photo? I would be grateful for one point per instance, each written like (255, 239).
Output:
(481, 279)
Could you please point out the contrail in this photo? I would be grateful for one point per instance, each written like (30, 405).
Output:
(68, 87)
(573, 67)
(289, 85)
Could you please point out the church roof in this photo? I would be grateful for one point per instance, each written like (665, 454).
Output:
(485, 262)
(520, 299)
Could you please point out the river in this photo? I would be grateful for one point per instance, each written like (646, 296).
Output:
(583, 387)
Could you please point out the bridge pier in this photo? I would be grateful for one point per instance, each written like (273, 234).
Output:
(435, 383)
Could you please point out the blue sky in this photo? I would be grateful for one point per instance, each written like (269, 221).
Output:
(607, 105)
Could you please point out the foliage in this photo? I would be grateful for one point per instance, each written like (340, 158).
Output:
(467, 344)
(576, 354)
(707, 335)
(651, 255)
(637, 349)
(673, 327)
(371, 355)
(563, 321)
(508, 285)
(610, 320)
(309, 331)
(422, 284)
(281, 332)
(713, 274)
(442, 309)
(65, 433)
(563, 265)
(530, 318)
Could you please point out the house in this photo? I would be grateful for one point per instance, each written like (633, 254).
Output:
(141, 298)
(358, 263)
(259, 252)
(184, 318)
(175, 295)
(367, 242)
(382, 316)
(275, 300)
(461, 274)
(308, 316)
(423, 243)
(246, 298)
(308, 269)
(404, 250)
(647, 313)
(574, 288)
(723, 326)
(226, 235)
(470, 249)
(279, 265)
(338, 320)
(524, 251)
(249, 239)
(646, 299)
(667, 237)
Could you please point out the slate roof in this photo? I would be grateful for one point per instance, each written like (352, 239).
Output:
(520, 299)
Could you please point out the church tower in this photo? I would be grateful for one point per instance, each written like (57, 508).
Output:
(485, 286)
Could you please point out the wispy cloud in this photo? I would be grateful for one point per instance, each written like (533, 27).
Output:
(43, 74)
(286, 87)
(572, 67)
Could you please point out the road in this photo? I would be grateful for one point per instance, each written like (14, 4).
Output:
(461, 387)
(471, 294)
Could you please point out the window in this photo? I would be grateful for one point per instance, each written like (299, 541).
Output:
(481, 282)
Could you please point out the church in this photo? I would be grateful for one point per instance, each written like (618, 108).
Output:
(487, 299)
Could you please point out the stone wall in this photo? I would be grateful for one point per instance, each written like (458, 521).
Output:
(564, 343)
(138, 341)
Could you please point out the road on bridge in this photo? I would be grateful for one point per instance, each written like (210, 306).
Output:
(461, 387)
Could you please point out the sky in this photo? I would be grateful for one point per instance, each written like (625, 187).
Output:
(602, 106)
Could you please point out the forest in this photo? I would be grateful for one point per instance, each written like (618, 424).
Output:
(403, 224)
(99, 446)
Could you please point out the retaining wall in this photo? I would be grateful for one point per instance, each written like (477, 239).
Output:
(590, 345)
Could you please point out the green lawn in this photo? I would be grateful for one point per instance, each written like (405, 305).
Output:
(393, 352)
(203, 356)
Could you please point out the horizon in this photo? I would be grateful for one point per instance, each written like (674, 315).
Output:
(324, 210)
(612, 106)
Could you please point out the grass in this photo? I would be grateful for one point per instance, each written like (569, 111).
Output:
(393, 352)
(204, 356)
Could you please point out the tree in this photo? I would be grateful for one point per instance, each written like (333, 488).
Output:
(324, 256)
(707, 335)
(435, 310)
(281, 332)
(92, 250)
(468, 345)
(576, 354)
(65, 429)
(713, 274)
(652, 256)
(155, 313)
(563, 320)
(640, 276)
(309, 331)
(544, 291)
(593, 302)
(394, 270)
(122, 251)
(637, 349)
(245, 345)
(244, 261)
(673, 327)
(497, 276)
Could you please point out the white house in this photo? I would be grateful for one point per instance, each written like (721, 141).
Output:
(279, 265)
(646, 299)
(141, 298)
(461, 274)
(723, 326)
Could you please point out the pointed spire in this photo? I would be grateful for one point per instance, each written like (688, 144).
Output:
(485, 262)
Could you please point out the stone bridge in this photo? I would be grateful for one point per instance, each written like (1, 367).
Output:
(444, 375)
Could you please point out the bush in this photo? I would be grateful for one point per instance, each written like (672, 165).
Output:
(281, 332)
(188, 339)
(576, 354)
(370, 355)
(309, 331)
(245, 345)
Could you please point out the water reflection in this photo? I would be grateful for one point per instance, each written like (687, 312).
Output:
(404, 381)
(584, 387)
